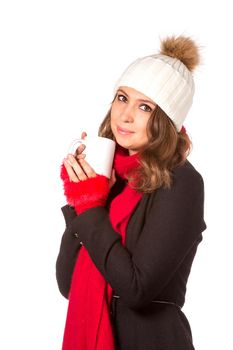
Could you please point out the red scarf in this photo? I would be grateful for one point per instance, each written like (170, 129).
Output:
(88, 325)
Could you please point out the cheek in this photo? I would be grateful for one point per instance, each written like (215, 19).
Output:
(113, 118)
(143, 127)
(112, 123)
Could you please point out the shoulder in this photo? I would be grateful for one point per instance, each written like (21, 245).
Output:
(186, 192)
(187, 185)
(183, 202)
(187, 175)
(178, 209)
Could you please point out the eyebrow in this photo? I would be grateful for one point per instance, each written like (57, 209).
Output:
(139, 99)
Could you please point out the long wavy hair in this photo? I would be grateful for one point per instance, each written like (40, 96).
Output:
(166, 149)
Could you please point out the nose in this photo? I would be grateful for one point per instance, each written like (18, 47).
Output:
(127, 114)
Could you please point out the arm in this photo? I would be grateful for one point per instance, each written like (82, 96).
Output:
(83, 194)
(172, 228)
(69, 248)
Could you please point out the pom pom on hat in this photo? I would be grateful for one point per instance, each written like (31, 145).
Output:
(166, 78)
(182, 48)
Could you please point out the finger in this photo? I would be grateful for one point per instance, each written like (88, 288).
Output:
(83, 135)
(70, 171)
(89, 171)
(112, 179)
(113, 175)
(79, 172)
(80, 156)
(80, 149)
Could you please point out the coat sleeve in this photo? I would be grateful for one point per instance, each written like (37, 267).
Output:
(69, 248)
(172, 227)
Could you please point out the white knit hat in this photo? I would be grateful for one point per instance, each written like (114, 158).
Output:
(165, 79)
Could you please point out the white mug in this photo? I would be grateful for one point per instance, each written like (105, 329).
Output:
(99, 153)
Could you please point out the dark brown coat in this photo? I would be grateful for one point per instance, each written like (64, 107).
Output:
(162, 238)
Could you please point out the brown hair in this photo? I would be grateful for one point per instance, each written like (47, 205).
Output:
(166, 149)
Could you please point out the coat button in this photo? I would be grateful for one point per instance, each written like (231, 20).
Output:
(77, 236)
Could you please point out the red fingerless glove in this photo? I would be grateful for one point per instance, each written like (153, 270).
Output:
(85, 194)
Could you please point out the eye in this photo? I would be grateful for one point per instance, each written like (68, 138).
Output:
(146, 108)
(121, 98)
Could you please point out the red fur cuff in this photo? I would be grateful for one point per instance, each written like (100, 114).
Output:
(86, 194)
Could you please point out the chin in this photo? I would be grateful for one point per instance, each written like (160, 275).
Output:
(122, 143)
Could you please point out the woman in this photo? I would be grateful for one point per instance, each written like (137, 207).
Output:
(129, 243)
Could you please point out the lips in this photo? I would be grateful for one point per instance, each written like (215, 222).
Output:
(123, 131)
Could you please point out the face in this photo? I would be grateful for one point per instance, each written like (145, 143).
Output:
(130, 113)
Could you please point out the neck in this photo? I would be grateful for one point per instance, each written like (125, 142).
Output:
(131, 152)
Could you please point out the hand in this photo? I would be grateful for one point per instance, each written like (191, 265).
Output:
(81, 148)
(83, 188)
(77, 169)
(83, 195)
(112, 179)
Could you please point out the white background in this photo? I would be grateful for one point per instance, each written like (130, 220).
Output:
(59, 61)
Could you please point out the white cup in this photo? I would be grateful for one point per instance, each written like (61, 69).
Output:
(99, 153)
